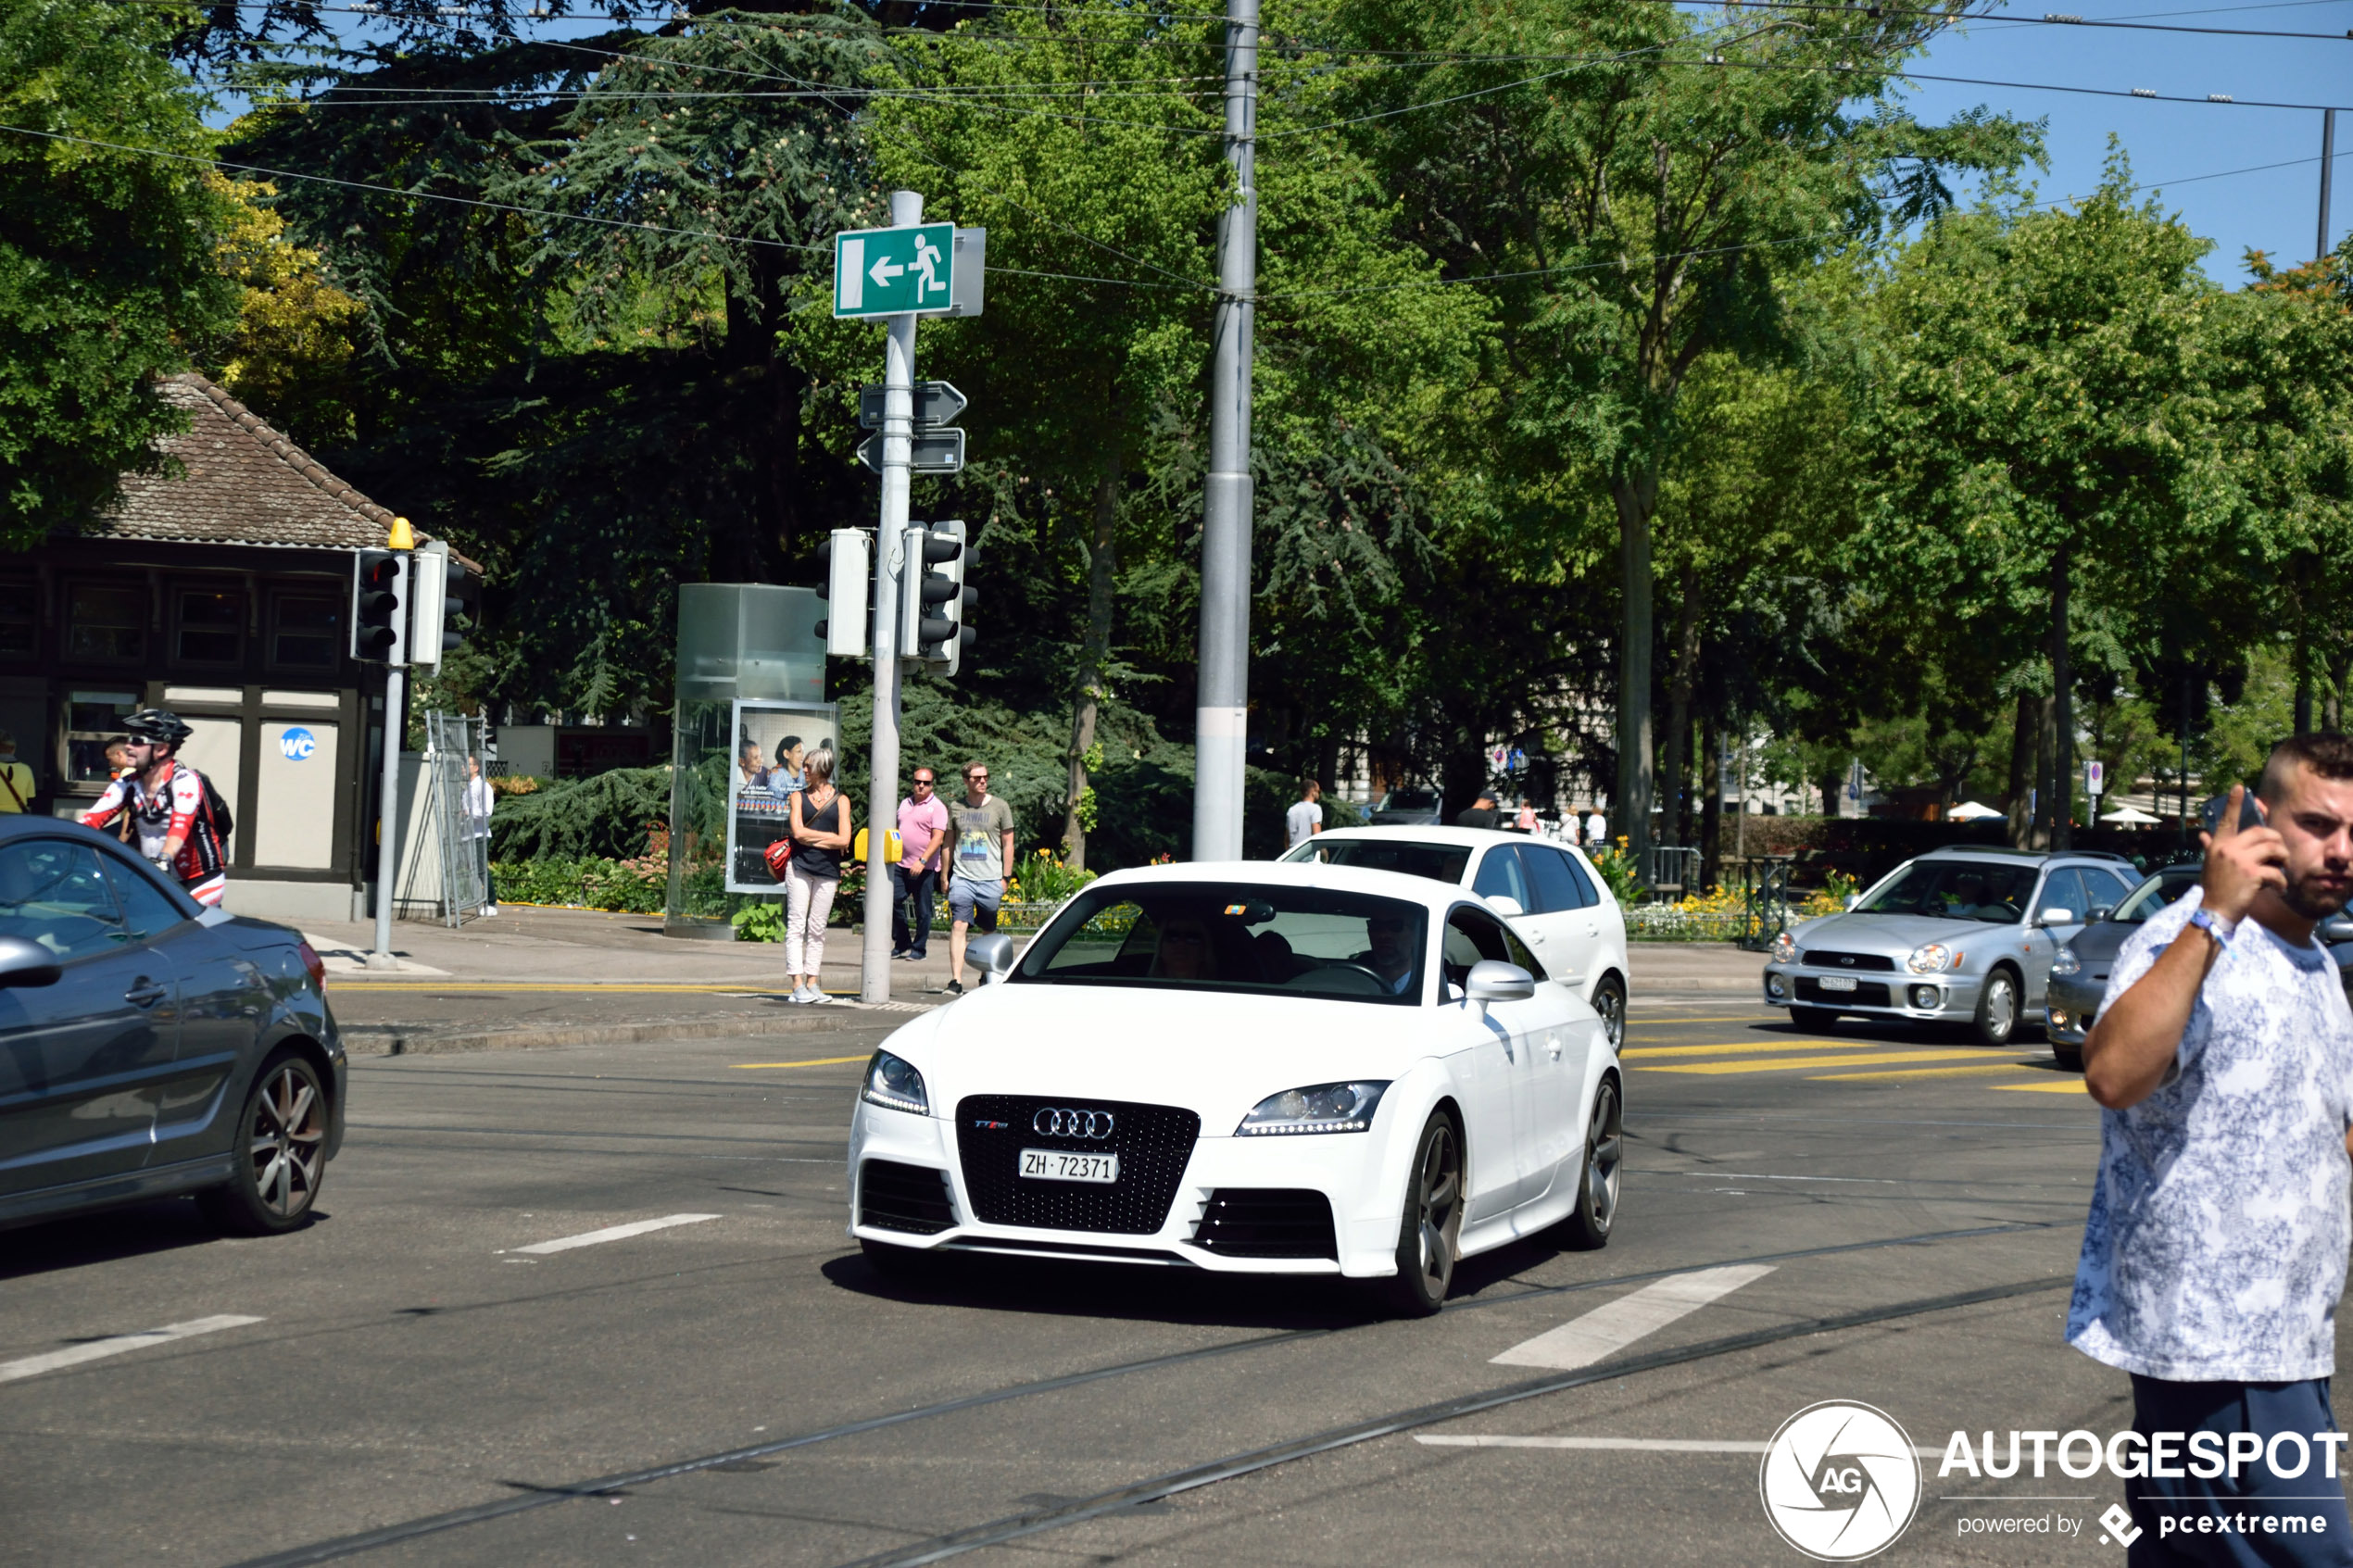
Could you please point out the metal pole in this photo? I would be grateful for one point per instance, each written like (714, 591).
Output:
(882, 779)
(2328, 162)
(388, 821)
(1221, 704)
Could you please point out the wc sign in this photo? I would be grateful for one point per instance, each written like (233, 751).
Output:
(298, 744)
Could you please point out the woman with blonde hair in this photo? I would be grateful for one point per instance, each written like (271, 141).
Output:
(820, 828)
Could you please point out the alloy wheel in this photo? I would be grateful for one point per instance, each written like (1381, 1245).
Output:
(1609, 1001)
(1604, 1161)
(1438, 1195)
(288, 1139)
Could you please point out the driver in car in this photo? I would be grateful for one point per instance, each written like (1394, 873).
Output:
(1386, 953)
(1184, 952)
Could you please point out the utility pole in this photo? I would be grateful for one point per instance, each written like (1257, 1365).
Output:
(2328, 162)
(890, 549)
(1222, 702)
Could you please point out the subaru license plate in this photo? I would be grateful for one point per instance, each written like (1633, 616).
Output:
(1838, 983)
(1060, 1165)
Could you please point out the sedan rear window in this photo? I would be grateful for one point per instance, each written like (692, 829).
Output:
(1955, 890)
(1205, 937)
(1439, 862)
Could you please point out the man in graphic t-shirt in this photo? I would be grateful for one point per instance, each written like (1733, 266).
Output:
(978, 864)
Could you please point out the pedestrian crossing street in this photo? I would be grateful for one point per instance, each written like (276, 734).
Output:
(2028, 1070)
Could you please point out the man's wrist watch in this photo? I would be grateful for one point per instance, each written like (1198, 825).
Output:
(2219, 929)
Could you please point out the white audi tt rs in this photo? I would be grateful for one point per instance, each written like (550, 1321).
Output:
(1263, 1069)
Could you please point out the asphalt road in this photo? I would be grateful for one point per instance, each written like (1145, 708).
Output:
(416, 1385)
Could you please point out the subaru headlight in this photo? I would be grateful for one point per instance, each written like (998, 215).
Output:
(1321, 1108)
(1932, 958)
(2064, 962)
(1785, 949)
(895, 1086)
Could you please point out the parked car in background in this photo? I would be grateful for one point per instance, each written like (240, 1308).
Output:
(149, 1045)
(1404, 808)
(2080, 970)
(1961, 935)
(1549, 892)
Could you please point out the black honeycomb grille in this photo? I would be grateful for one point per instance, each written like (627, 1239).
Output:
(1154, 1144)
(1267, 1222)
(892, 1197)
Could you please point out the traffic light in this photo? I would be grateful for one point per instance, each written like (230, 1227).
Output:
(847, 559)
(379, 605)
(935, 604)
(444, 591)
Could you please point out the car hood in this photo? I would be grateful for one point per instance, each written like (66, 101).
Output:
(1219, 1054)
(1894, 934)
(2098, 943)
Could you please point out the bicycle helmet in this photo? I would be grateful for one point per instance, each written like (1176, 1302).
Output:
(158, 725)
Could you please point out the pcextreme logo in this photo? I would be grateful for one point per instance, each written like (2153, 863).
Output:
(1840, 1481)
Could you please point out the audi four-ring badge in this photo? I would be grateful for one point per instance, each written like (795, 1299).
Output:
(1289, 1068)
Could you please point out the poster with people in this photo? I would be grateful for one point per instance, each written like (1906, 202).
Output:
(769, 740)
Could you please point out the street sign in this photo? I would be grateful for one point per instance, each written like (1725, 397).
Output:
(936, 403)
(929, 269)
(931, 451)
(2095, 777)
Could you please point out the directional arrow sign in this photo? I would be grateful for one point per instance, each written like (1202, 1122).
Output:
(895, 271)
(933, 451)
(936, 403)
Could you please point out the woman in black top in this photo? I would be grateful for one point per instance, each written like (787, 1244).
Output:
(818, 822)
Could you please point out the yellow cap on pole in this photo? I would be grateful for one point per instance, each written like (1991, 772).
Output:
(402, 539)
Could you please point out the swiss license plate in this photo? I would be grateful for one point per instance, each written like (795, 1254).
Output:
(1060, 1165)
(1838, 983)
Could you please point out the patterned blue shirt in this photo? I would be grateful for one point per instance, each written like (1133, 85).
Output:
(2215, 1249)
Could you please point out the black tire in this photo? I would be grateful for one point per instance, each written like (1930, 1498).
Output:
(2069, 1056)
(1609, 1000)
(1603, 1161)
(281, 1151)
(1431, 1228)
(1818, 1021)
(1998, 1004)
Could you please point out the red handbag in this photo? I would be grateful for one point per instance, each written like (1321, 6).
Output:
(778, 856)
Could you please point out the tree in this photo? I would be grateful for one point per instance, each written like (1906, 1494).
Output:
(106, 252)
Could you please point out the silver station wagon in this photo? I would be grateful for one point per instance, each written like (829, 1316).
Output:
(1962, 935)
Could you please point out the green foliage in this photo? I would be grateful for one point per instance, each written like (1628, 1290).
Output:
(762, 921)
(106, 263)
(587, 881)
(605, 815)
(1618, 870)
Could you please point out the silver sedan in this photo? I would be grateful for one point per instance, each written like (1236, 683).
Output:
(1958, 936)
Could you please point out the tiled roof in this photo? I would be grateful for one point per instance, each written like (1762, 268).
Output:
(246, 484)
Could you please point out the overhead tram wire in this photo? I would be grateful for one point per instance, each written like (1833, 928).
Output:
(1953, 19)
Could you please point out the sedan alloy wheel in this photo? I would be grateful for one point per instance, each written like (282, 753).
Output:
(281, 1151)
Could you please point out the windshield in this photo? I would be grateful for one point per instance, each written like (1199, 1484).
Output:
(1955, 890)
(1409, 800)
(2155, 894)
(1207, 936)
(1440, 862)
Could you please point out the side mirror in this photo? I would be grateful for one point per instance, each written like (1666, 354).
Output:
(24, 962)
(994, 956)
(2106, 911)
(2055, 915)
(1507, 907)
(1492, 980)
(2337, 928)
(1853, 901)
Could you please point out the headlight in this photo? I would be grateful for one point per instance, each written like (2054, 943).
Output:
(1784, 948)
(1322, 1108)
(1932, 958)
(2064, 962)
(895, 1086)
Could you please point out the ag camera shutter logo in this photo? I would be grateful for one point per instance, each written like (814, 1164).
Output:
(1840, 1481)
(298, 744)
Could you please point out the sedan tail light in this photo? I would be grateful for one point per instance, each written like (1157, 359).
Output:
(315, 964)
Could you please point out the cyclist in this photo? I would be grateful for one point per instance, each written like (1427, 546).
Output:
(170, 807)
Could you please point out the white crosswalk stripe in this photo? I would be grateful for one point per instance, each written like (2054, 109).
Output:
(1615, 1324)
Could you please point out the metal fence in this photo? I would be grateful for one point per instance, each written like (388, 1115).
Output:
(448, 867)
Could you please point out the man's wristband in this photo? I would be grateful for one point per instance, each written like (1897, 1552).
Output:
(2219, 929)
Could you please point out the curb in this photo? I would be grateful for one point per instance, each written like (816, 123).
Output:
(362, 1041)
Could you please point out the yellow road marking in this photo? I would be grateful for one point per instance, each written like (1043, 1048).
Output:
(1664, 1022)
(2071, 1087)
(1790, 1063)
(1755, 1045)
(1932, 1072)
(814, 1062)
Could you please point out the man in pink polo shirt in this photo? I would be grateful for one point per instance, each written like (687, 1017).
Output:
(922, 846)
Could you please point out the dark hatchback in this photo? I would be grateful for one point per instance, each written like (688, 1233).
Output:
(150, 1047)
(2080, 970)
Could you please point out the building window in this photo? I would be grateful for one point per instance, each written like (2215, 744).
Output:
(20, 608)
(105, 624)
(306, 631)
(92, 720)
(210, 629)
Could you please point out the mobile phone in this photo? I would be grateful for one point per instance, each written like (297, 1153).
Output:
(2251, 813)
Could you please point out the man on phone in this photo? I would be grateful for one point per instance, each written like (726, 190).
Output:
(2215, 1249)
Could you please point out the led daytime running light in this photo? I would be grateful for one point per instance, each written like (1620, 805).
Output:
(1319, 1107)
(895, 1085)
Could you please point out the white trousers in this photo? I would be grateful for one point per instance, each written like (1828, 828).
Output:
(808, 901)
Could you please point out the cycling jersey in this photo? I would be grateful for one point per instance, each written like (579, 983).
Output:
(176, 809)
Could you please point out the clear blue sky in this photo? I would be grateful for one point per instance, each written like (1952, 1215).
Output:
(2171, 144)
